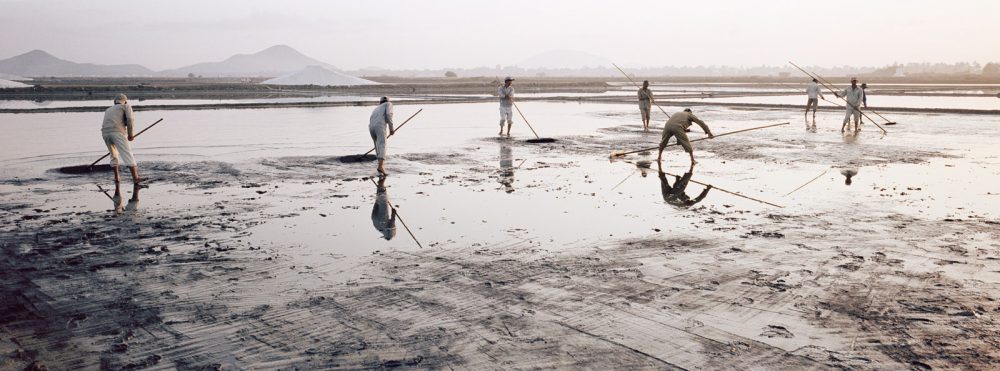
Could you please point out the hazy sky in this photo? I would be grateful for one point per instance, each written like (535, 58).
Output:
(439, 34)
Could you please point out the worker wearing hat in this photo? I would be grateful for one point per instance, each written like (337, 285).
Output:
(853, 95)
(506, 93)
(676, 127)
(117, 134)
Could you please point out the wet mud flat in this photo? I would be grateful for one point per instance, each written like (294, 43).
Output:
(534, 255)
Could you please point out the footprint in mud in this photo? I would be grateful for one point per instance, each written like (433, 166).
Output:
(772, 331)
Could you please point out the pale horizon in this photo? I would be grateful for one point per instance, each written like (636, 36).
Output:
(451, 34)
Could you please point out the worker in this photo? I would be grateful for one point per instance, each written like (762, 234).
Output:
(506, 93)
(853, 96)
(645, 104)
(380, 118)
(676, 126)
(812, 91)
(117, 133)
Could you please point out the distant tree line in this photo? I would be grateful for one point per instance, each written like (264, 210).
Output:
(895, 69)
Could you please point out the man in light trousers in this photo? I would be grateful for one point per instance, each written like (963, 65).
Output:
(853, 96)
(506, 93)
(117, 133)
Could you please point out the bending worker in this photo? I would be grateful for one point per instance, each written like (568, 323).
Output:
(117, 133)
(676, 126)
(645, 103)
(381, 116)
(506, 93)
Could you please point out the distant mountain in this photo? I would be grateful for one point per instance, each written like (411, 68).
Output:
(317, 75)
(39, 64)
(556, 59)
(277, 60)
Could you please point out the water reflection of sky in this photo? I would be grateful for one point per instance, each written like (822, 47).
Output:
(560, 197)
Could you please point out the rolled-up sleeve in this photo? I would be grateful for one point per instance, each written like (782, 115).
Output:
(388, 117)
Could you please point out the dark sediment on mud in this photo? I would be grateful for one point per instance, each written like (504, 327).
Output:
(84, 169)
(350, 159)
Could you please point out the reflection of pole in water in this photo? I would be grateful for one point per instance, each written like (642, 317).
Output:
(383, 207)
(506, 173)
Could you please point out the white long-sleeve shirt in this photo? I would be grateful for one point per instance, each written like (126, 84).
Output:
(382, 115)
(853, 96)
(812, 90)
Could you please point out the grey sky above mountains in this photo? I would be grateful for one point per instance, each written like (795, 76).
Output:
(440, 34)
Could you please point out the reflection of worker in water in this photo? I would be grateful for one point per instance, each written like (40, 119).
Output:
(380, 118)
(848, 174)
(506, 173)
(381, 212)
(506, 93)
(645, 104)
(676, 127)
(675, 195)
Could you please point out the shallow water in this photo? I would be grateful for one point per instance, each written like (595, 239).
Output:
(894, 101)
(253, 233)
(447, 160)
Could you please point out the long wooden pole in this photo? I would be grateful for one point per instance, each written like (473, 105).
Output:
(133, 137)
(807, 183)
(637, 85)
(616, 154)
(838, 95)
(730, 192)
(887, 121)
(804, 91)
(525, 119)
(397, 129)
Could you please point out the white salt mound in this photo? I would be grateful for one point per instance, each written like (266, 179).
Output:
(7, 76)
(316, 75)
(4, 84)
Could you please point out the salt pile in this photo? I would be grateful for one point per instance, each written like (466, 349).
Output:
(316, 75)
(5, 84)
(7, 76)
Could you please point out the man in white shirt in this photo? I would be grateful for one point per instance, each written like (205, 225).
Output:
(506, 93)
(119, 122)
(380, 118)
(853, 96)
(813, 92)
